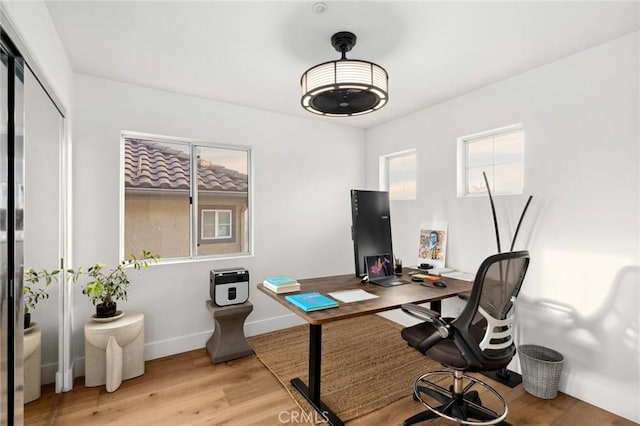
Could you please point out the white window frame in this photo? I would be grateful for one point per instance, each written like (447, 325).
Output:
(247, 251)
(462, 167)
(384, 162)
(216, 222)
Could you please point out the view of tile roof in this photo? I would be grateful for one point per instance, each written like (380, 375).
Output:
(152, 165)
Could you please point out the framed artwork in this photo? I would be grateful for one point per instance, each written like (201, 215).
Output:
(432, 246)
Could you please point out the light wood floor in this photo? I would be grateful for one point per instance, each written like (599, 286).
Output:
(186, 389)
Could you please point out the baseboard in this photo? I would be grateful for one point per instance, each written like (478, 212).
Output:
(60, 380)
(255, 328)
(595, 391)
(162, 348)
(48, 373)
(167, 347)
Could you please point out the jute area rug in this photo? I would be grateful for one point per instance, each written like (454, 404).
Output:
(366, 365)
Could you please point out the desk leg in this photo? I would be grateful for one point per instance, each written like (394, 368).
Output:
(312, 392)
(436, 305)
(315, 361)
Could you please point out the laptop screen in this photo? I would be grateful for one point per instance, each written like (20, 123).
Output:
(379, 266)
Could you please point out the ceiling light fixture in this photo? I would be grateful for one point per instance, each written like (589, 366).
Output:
(344, 87)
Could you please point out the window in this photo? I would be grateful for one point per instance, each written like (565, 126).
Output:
(185, 199)
(500, 154)
(398, 175)
(215, 225)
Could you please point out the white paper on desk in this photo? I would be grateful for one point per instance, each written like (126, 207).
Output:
(349, 296)
(439, 271)
(464, 276)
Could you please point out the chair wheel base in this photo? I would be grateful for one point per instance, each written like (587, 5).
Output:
(464, 406)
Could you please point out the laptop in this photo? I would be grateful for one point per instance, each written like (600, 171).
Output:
(380, 271)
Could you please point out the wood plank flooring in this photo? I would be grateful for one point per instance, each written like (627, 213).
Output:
(186, 389)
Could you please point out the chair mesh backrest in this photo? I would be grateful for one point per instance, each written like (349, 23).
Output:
(499, 287)
(487, 320)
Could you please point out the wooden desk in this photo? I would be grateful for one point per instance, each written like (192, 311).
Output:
(390, 298)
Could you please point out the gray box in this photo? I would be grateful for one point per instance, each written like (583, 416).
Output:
(229, 286)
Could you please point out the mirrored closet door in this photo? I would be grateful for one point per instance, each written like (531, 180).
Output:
(32, 234)
(43, 131)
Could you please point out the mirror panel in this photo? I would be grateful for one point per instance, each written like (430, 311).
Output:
(43, 132)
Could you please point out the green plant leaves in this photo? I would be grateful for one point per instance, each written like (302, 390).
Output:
(104, 285)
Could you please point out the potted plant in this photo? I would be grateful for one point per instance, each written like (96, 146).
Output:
(398, 264)
(106, 286)
(32, 293)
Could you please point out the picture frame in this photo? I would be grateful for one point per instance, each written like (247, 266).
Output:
(432, 244)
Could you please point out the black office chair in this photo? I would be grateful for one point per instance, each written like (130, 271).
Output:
(479, 339)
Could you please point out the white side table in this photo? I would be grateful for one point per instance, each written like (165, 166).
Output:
(113, 351)
(32, 361)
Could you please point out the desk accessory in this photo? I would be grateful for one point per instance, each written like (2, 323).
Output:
(281, 284)
(398, 266)
(348, 296)
(439, 271)
(309, 302)
(279, 280)
(432, 247)
(229, 286)
(380, 271)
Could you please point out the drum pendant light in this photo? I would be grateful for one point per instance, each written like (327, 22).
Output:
(344, 87)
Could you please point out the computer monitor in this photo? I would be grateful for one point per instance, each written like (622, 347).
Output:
(371, 226)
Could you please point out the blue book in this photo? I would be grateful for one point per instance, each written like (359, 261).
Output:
(279, 280)
(311, 301)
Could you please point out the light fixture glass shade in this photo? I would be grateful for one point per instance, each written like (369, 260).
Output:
(344, 88)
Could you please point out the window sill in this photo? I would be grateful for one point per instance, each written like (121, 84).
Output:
(181, 260)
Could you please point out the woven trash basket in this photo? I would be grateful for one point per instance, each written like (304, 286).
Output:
(541, 368)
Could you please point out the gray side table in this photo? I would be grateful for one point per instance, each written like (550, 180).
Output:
(228, 340)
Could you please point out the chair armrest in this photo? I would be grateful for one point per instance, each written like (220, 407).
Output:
(433, 317)
(429, 315)
(420, 312)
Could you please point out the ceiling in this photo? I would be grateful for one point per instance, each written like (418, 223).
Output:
(253, 53)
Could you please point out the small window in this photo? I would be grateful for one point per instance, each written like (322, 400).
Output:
(500, 154)
(398, 175)
(215, 224)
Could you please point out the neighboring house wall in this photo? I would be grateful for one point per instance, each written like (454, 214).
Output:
(580, 297)
(159, 222)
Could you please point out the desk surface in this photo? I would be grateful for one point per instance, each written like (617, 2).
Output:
(390, 297)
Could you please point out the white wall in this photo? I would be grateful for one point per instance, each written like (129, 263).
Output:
(303, 171)
(580, 297)
(33, 23)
